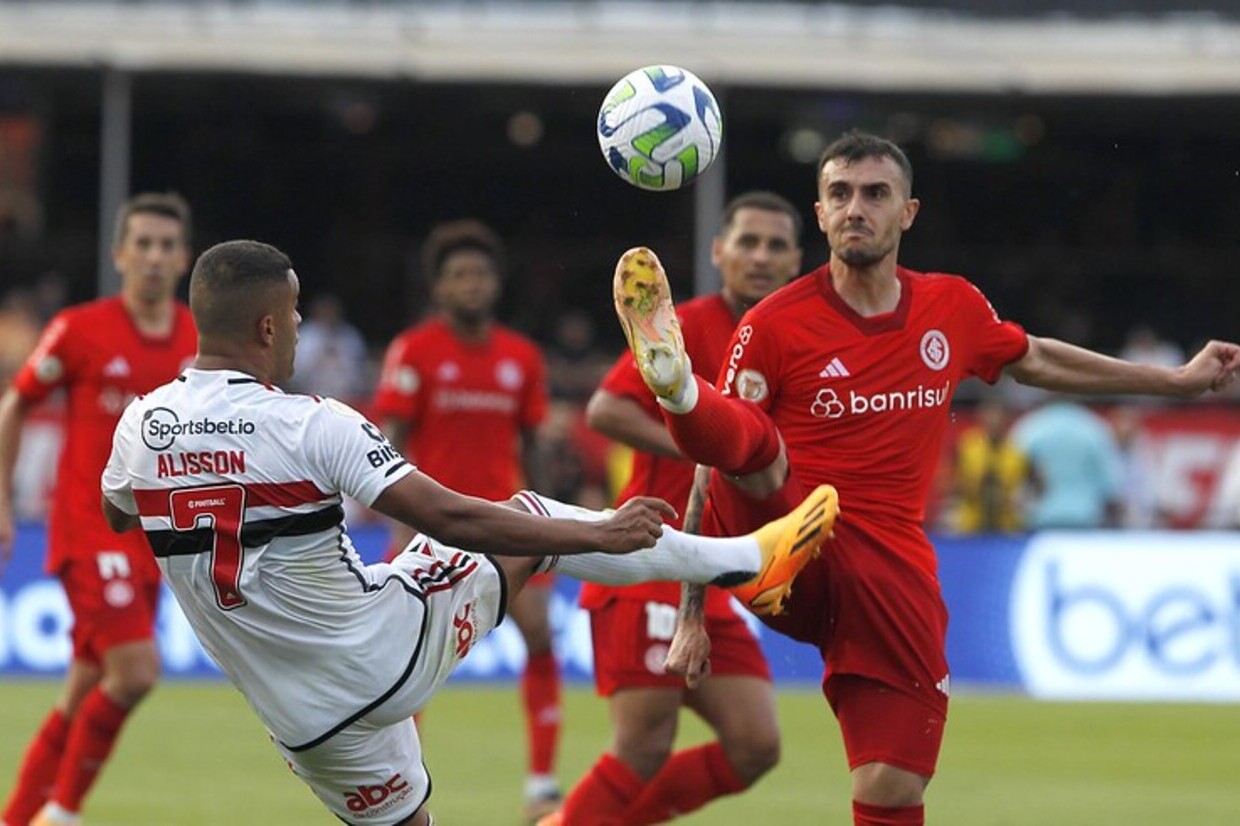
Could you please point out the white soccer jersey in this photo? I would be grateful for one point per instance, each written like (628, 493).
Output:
(238, 486)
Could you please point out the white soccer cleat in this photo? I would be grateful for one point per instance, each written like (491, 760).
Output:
(644, 305)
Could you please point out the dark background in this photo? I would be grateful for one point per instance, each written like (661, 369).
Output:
(1078, 216)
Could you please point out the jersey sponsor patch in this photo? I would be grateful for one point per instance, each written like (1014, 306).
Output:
(49, 369)
(751, 385)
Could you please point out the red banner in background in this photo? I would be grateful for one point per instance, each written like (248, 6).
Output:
(1191, 455)
(1194, 464)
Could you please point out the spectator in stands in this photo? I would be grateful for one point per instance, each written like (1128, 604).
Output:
(1144, 346)
(990, 474)
(1074, 466)
(331, 353)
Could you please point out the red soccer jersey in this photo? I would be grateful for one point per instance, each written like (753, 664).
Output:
(863, 403)
(466, 404)
(707, 323)
(96, 352)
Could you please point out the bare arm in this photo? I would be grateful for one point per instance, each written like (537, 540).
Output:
(397, 431)
(1056, 365)
(477, 525)
(13, 410)
(689, 653)
(625, 421)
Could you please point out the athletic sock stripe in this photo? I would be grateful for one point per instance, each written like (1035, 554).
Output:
(532, 503)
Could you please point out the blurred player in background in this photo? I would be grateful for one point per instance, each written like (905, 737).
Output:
(462, 395)
(334, 655)
(103, 353)
(757, 250)
(847, 375)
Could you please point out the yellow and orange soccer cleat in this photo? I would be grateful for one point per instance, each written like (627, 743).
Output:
(644, 304)
(789, 544)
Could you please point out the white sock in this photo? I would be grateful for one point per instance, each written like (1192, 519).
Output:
(687, 398)
(676, 555)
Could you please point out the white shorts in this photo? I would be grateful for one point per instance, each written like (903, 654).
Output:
(371, 771)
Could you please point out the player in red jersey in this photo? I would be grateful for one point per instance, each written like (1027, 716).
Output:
(640, 780)
(103, 354)
(462, 394)
(847, 375)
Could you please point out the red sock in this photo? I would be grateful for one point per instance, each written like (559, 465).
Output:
(602, 796)
(92, 733)
(540, 692)
(689, 780)
(724, 432)
(38, 770)
(866, 815)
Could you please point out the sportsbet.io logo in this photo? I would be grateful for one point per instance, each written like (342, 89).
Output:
(161, 427)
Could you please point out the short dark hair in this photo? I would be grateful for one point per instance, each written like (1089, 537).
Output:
(768, 201)
(227, 281)
(855, 145)
(453, 236)
(168, 204)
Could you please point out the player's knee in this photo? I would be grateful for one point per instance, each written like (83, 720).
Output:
(130, 687)
(753, 755)
(645, 755)
(881, 784)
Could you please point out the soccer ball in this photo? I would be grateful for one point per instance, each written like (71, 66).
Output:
(660, 127)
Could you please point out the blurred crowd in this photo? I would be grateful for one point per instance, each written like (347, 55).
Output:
(1016, 461)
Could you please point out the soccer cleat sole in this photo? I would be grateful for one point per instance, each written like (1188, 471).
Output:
(647, 315)
(797, 541)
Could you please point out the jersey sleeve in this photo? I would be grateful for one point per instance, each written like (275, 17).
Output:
(996, 343)
(50, 364)
(116, 483)
(534, 396)
(399, 393)
(350, 454)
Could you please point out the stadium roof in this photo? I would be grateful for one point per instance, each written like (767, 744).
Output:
(833, 45)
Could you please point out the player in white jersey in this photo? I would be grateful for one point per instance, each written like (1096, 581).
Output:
(238, 486)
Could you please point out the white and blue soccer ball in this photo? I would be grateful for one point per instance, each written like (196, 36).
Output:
(660, 127)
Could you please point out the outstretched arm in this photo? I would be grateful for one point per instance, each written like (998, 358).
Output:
(625, 421)
(1056, 365)
(689, 654)
(477, 525)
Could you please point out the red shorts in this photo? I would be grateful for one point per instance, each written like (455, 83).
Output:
(882, 725)
(114, 601)
(871, 610)
(631, 639)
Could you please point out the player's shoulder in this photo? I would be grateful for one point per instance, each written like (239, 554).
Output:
(514, 340)
(942, 282)
(795, 293)
(107, 310)
(704, 308)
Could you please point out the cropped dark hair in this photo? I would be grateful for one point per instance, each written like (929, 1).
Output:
(453, 236)
(228, 284)
(855, 146)
(168, 204)
(767, 201)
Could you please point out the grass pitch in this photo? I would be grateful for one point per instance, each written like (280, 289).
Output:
(196, 756)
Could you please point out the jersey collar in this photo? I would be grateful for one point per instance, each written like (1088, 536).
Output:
(868, 325)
